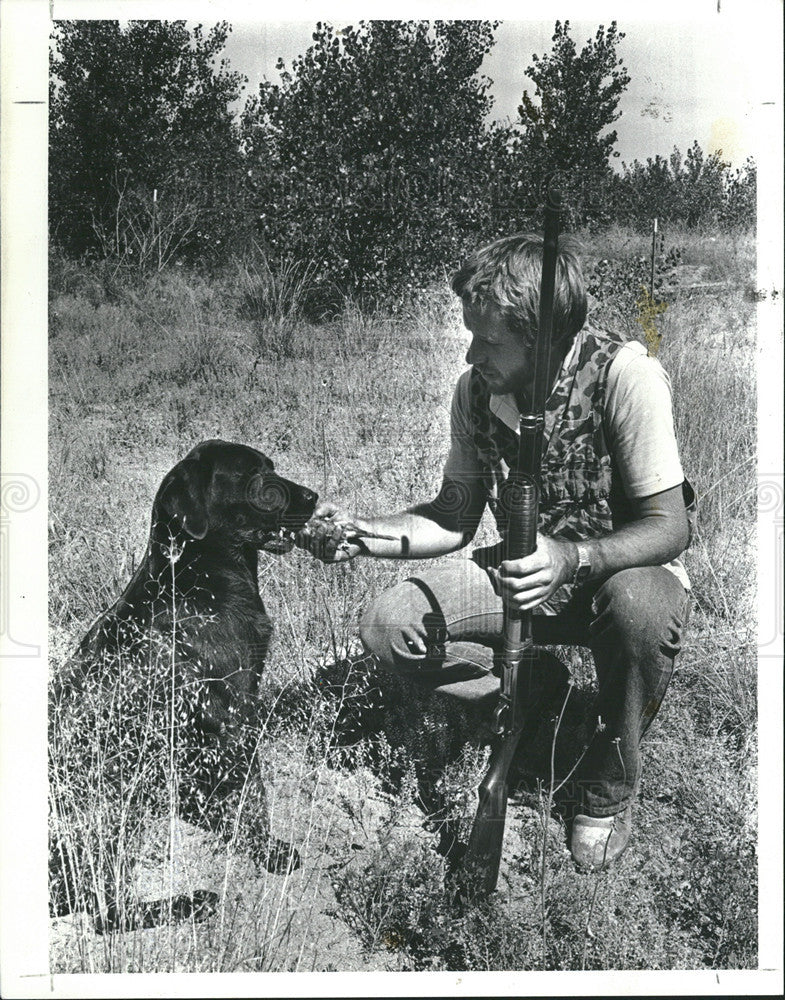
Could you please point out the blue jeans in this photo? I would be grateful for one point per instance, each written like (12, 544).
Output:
(632, 622)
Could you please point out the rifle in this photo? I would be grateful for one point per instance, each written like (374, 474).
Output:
(520, 500)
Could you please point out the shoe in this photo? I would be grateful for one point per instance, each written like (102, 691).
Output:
(598, 840)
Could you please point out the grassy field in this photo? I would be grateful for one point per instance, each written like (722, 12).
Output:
(357, 408)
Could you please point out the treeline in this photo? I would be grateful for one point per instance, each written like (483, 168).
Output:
(375, 160)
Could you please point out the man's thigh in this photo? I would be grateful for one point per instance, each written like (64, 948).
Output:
(454, 601)
(639, 609)
(454, 605)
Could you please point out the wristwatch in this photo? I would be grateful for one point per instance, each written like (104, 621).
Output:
(583, 569)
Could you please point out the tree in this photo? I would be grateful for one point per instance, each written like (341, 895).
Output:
(578, 94)
(694, 190)
(143, 145)
(372, 155)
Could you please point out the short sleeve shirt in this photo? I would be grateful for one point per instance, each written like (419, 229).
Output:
(638, 421)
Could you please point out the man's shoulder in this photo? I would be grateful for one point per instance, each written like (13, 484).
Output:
(632, 366)
(463, 381)
(595, 345)
(628, 354)
(615, 352)
(598, 330)
(636, 383)
(461, 404)
(461, 394)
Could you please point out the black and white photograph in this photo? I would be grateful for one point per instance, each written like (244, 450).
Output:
(392, 499)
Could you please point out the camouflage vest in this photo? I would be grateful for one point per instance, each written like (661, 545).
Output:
(581, 496)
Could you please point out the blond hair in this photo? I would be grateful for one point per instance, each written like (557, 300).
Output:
(507, 274)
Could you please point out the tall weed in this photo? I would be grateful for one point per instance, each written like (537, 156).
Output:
(274, 297)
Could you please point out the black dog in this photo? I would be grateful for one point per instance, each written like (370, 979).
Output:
(192, 626)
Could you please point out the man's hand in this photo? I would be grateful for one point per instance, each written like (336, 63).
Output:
(332, 536)
(525, 583)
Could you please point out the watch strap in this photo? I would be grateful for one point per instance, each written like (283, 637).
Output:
(583, 569)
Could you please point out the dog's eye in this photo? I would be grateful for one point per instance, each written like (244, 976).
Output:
(268, 495)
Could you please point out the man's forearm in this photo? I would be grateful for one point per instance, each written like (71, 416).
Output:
(418, 535)
(658, 535)
(637, 544)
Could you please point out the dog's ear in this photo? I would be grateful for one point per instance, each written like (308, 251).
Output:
(183, 497)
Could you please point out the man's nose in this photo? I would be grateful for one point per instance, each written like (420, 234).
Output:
(472, 355)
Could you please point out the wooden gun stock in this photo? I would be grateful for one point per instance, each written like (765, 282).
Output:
(484, 851)
(520, 502)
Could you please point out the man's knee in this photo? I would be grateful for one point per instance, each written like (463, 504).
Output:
(375, 629)
(386, 622)
(644, 605)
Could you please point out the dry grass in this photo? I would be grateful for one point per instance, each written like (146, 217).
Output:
(357, 407)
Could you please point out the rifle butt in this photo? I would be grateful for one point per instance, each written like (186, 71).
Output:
(483, 853)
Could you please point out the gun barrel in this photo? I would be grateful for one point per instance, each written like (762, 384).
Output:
(520, 502)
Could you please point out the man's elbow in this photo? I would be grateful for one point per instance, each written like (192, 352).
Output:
(666, 515)
(466, 538)
(455, 511)
(456, 532)
(459, 536)
(679, 536)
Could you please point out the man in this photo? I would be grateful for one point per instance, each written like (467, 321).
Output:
(612, 524)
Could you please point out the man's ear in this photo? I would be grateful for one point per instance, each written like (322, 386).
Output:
(182, 497)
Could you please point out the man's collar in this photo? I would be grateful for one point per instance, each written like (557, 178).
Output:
(504, 406)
